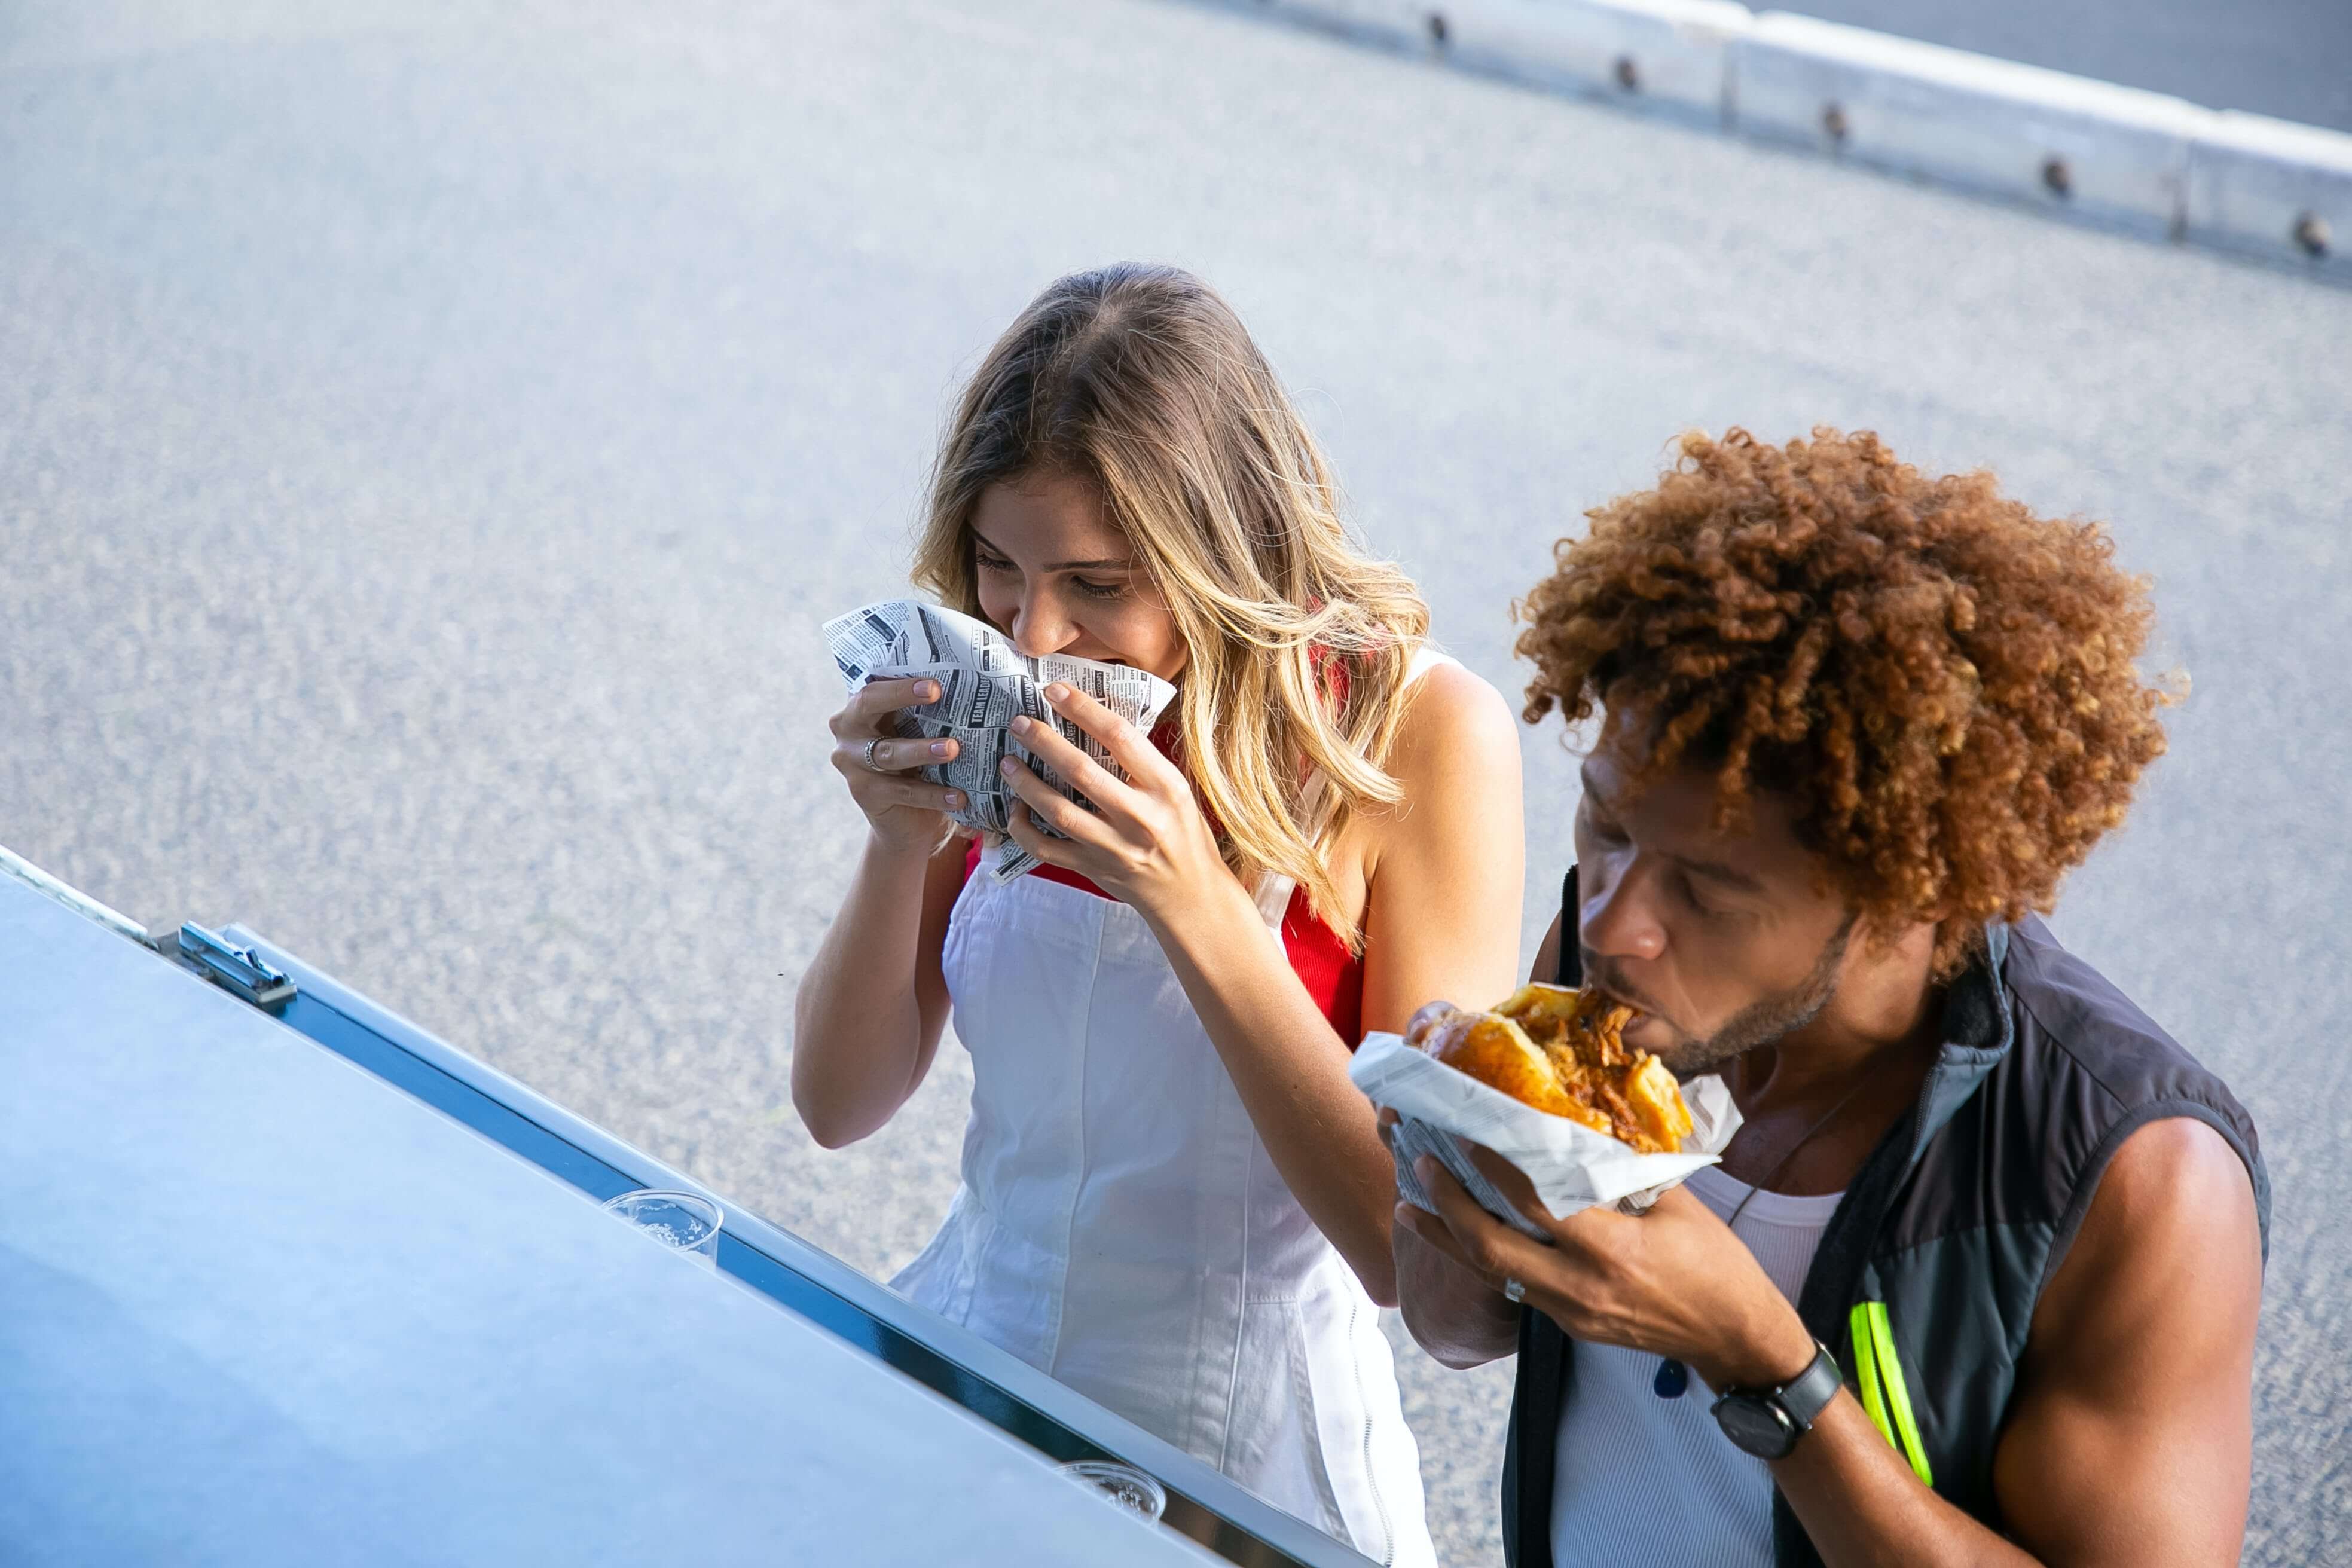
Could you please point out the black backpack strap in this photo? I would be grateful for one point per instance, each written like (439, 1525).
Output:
(1546, 1364)
(1531, 1448)
(1571, 970)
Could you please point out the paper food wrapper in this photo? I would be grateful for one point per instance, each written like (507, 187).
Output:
(985, 682)
(1573, 1166)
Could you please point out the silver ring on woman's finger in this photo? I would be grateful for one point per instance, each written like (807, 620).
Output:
(1514, 1292)
(871, 747)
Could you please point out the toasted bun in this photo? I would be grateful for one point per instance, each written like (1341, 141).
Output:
(1656, 1101)
(1560, 1050)
(1498, 1052)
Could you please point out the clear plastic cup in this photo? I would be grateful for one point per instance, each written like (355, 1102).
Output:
(1123, 1485)
(684, 1221)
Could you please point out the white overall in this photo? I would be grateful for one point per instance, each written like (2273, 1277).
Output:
(1122, 1227)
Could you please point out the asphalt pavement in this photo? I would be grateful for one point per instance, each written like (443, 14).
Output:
(431, 436)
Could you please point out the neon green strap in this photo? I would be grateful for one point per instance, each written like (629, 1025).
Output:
(1865, 1368)
(1897, 1397)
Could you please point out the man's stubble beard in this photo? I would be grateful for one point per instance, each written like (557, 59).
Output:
(1763, 1022)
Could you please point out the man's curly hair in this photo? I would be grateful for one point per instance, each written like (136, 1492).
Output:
(1942, 683)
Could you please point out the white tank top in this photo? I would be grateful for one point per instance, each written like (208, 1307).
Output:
(1642, 1478)
(1121, 1226)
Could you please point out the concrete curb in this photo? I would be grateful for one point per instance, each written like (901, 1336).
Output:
(2084, 150)
(2273, 189)
(2108, 154)
(1671, 55)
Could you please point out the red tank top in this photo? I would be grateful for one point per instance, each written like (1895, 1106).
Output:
(1333, 976)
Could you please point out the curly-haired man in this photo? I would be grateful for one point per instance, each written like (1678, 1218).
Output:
(1977, 1280)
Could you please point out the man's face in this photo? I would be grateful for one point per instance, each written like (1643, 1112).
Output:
(1723, 942)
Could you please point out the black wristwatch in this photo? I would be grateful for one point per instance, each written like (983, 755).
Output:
(1767, 1423)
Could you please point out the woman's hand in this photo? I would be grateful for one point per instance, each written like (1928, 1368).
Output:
(905, 810)
(1453, 1313)
(1147, 844)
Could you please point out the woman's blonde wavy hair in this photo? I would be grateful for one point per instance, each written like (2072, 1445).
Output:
(1143, 383)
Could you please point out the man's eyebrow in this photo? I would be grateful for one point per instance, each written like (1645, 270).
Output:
(1121, 563)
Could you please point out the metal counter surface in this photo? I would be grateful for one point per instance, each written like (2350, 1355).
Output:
(950, 1359)
(263, 1307)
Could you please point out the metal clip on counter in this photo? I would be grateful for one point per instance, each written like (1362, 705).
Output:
(287, 1279)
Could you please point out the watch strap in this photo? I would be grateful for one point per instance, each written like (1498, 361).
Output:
(1769, 1422)
(1807, 1394)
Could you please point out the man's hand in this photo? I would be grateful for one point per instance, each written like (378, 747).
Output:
(1671, 1282)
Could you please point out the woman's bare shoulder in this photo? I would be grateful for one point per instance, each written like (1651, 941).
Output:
(1446, 862)
(1456, 725)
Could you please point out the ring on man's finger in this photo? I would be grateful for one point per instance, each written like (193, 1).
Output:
(871, 747)
(1514, 1292)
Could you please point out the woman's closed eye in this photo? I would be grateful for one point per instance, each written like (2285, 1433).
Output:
(990, 562)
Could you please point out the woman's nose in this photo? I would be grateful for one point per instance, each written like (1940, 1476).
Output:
(1039, 627)
(1621, 922)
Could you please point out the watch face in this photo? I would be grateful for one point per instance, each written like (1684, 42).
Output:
(1757, 1426)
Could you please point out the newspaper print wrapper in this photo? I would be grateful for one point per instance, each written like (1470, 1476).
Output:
(985, 683)
(1571, 1166)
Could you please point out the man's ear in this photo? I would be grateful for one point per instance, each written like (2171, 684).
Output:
(1882, 939)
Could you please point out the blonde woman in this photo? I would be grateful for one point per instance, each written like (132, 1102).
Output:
(1173, 1199)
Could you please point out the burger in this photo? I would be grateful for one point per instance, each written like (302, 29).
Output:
(1562, 1050)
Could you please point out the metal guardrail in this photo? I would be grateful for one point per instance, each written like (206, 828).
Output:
(2075, 148)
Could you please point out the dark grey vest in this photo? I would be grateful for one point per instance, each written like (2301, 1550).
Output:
(1956, 1220)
